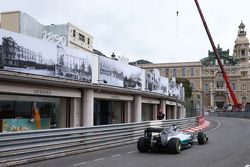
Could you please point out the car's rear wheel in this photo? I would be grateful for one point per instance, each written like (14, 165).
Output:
(202, 138)
(143, 145)
(174, 145)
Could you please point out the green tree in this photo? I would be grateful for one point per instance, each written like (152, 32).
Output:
(186, 85)
(190, 110)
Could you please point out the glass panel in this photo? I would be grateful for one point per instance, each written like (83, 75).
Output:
(117, 112)
(17, 113)
(147, 112)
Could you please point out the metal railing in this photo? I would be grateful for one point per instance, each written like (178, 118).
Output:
(23, 147)
(231, 114)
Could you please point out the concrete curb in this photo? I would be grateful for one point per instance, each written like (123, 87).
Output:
(197, 128)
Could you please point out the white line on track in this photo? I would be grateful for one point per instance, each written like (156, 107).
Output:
(130, 152)
(116, 155)
(99, 159)
(80, 163)
(215, 128)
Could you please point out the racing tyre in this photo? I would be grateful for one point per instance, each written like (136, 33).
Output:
(202, 138)
(174, 145)
(143, 145)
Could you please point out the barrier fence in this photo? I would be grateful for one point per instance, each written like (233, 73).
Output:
(231, 114)
(23, 147)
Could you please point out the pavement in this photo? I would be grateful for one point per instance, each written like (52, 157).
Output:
(228, 146)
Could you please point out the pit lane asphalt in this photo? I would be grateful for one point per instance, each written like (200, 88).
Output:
(228, 146)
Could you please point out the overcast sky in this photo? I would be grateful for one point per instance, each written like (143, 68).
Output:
(145, 29)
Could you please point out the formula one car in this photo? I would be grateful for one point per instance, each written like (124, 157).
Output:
(168, 139)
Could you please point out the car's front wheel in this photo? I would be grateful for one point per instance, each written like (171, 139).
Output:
(202, 138)
(174, 145)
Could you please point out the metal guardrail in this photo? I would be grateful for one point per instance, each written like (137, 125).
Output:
(231, 114)
(23, 147)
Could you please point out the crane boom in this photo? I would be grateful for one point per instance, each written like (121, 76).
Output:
(226, 79)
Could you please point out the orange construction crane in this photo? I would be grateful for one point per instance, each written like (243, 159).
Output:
(237, 105)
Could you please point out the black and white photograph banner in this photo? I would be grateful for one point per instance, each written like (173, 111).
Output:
(164, 85)
(25, 54)
(153, 80)
(117, 73)
(156, 83)
(73, 64)
(172, 87)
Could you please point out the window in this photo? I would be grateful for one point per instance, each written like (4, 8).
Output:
(18, 111)
(220, 84)
(244, 86)
(174, 72)
(81, 37)
(192, 85)
(233, 86)
(242, 52)
(167, 72)
(88, 41)
(206, 88)
(74, 33)
(192, 71)
(183, 72)
(244, 73)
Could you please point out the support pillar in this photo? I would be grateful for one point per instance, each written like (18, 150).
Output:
(137, 109)
(169, 110)
(183, 111)
(175, 111)
(212, 100)
(128, 112)
(155, 111)
(88, 107)
(163, 107)
(75, 112)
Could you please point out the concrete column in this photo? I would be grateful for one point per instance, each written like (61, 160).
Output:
(175, 111)
(61, 121)
(183, 111)
(163, 107)
(137, 109)
(72, 112)
(128, 111)
(88, 107)
(211, 100)
(155, 111)
(169, 112)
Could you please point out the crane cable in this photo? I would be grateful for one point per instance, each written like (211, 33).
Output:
(177, 18)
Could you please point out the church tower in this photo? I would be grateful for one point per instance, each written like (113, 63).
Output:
(241, 46)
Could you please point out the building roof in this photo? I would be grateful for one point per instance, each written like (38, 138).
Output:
(138, 62)
(223, 55)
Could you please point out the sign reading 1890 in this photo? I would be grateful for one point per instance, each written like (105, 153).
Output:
(55, 38)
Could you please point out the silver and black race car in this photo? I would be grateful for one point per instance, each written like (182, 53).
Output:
(168, 139)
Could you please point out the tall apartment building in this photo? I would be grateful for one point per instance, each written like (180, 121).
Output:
(206, 78)
(66, 34)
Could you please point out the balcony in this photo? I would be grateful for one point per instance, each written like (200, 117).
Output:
(220, 89)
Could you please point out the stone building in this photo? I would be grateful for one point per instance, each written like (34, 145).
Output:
(209, 88)
(67, 84)
(65, 34)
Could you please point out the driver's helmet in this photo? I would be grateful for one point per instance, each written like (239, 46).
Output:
(174, 127)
